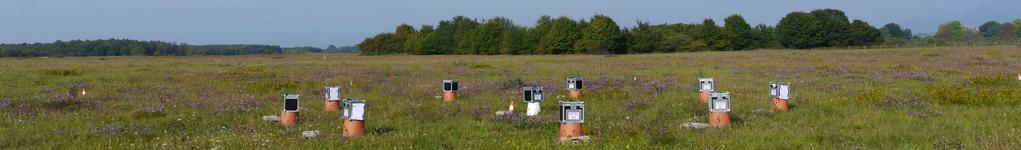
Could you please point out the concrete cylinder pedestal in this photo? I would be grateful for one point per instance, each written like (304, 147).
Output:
(533, 109)
(719, 119)
(332, 106)
(449, 97)
(703, 96)
(353, 128)
(574, 94)
(568, 130)
(778, 104)
(288, 118)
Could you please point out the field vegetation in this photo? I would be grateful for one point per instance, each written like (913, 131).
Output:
(917, 98)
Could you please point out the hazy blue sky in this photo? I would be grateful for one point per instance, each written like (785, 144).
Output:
(323, 22)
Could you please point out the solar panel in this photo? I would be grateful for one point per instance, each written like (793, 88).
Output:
(291, 104)
(528, 94)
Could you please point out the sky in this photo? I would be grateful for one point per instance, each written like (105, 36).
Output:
(320, 23)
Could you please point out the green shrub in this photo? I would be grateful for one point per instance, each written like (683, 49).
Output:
(989, 80)
(975, 96)
(67, 105)
(472, 64)
(63, 72)
(870, 96)
(902, 67)
(822, 67)
(949, 95)
(276, 86)
(243, 70)
(481, 66)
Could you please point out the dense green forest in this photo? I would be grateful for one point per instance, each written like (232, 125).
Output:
(601, 35)
(124, 47)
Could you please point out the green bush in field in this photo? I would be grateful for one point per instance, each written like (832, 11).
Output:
(975, 96)
(63, 72)
(990, 80)
(986, 90)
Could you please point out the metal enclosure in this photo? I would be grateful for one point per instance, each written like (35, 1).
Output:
(773, 90)
(574, 83)
(784, 91)
(532, 94)
(719, 102)
(354, 109)
(291, 102)
(449, 85)
(705, 84)
(572, 112)
(332, 93)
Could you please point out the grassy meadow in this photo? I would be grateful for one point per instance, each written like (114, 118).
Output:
(918, 98)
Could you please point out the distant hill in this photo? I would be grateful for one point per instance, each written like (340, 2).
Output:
(329, 49)
(127, 47)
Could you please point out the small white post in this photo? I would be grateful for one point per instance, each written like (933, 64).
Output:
(533, 109)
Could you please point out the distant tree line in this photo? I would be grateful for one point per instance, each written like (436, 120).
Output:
(954, 31)
(125, 47)
(328, 49)
(601, 35)
(342, 49)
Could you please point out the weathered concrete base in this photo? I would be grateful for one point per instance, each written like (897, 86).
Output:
(310, 134)
(575, 140)
(271, 119)
(695, 125)
(761, 111)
